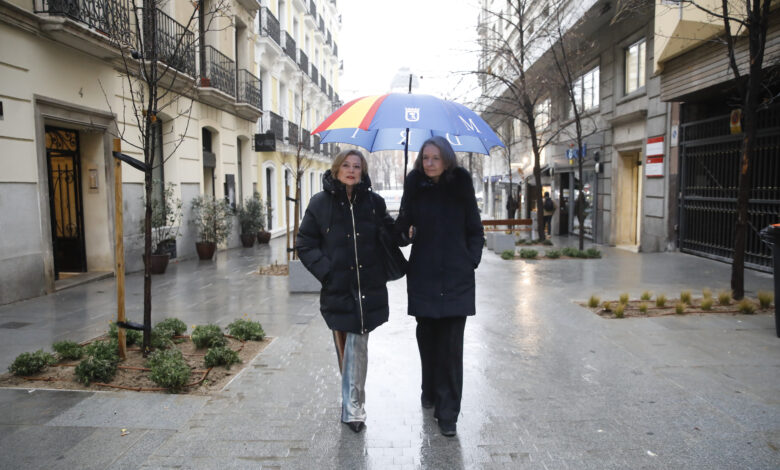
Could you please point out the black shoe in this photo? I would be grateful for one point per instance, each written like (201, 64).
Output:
(447, 429)
(356, 426)
(426, 403)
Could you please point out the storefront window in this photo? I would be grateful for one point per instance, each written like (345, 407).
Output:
(588, 209)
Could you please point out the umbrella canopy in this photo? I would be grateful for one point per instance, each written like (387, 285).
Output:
(395, 139)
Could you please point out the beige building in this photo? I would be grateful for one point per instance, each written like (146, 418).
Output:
(64, 97)
(297, 54)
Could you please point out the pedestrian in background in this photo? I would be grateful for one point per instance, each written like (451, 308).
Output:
(511, 206)
(338, 244)
(439, 217)
(548, 206)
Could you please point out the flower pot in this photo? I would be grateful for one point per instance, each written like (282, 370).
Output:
(205, 82)
(205, 249)
(263, 236)
(158, 263)
(247, 239)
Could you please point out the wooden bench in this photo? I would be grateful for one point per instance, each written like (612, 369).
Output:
(494, 224)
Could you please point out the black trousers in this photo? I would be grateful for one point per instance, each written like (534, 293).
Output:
(441, 354)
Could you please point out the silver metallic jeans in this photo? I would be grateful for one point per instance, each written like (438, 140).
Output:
(353, 378)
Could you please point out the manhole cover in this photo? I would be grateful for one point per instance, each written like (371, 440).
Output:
(14, 325)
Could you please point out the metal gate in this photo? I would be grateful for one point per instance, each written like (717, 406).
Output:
(67, 222)
(709, 184)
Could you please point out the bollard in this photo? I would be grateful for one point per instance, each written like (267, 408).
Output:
(771, 236)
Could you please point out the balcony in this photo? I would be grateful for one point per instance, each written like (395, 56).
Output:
(330, 92)
(292, 133)
(175, 45)
(317, 146)
(269, 25)
(249, 93)
(305, 139)
(323, 85)
(276, 125)
(303, 61)
(315, 76)
(107, 24)
(219, 72)
(289, 46)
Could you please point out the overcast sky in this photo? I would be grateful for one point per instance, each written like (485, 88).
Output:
(436, 39)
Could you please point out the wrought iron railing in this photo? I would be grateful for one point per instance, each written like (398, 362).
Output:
(336, 96)
(306, 138)
(269, 25)
(292, 132)
(250, 89)
(110, 17)
(289, 45)
(315, 76)
(220, 71)
(276, 125)
(317, 146)
(175, 45)
(323, 84)
(303, 61)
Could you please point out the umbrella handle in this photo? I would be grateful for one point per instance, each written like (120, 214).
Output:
(406, 154)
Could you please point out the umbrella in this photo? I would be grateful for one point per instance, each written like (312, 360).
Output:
(394, 120)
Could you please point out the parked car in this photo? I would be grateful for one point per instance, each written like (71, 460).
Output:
(392, 199)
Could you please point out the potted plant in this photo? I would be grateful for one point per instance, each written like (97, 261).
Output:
(250, 216)
(166, 225)
(264, 236)
(213, 220)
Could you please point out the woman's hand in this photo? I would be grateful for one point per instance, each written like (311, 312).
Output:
(411, 232)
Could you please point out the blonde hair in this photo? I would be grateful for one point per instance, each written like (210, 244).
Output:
(334, 168)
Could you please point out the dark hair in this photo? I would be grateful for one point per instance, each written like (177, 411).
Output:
(447, 154)
(334, 168)
(547, 194)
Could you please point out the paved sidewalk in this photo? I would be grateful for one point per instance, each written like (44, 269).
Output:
(547, 384)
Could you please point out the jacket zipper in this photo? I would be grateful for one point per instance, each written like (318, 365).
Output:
(357, 266)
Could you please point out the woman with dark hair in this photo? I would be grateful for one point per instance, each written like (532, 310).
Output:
(338, 243)
(439, 216)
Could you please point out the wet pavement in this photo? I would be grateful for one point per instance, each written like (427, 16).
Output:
(547, 384)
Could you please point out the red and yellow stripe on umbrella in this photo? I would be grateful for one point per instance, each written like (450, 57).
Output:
(355, 114)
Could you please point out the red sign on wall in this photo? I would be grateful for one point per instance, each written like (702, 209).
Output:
(654, 168)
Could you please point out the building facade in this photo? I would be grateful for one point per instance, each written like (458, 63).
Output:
(66, 95)
(297, 54)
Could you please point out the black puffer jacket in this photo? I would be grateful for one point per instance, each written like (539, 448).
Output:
(447, 245)
(345, 256)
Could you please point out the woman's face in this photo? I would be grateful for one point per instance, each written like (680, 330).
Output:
(432, 163)
(350, 170)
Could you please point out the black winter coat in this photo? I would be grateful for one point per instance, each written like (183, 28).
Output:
(447, 245)
(345, 256)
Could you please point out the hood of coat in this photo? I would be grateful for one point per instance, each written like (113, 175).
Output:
(333, 186)
(457, 182)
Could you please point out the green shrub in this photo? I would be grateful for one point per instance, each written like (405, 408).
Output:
(552, 254)
(520, 242)
(527, 253)
(679, 307)
(569, 251)
(643, 308)
(765, 298)
(208, 336)
(706, 303)
(646, 295)
(592, 253)
(619, 310)
(685, 297)
(31, 363)
(131, 336)
(168, 369)
(547, 242)
(106, 350)
(68, 350)
(508, 254)
(221, 356)
(724, 297)
(246, 330)
(95, 369)
(624, 299)
(593, 302)
(174, 325)
(746, 306)
(160, 339)
(706, 293)
(660, 300)
(607, 306)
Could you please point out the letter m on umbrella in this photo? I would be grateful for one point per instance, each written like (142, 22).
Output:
(470, 125)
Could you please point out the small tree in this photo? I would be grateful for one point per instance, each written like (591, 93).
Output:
(302, 163)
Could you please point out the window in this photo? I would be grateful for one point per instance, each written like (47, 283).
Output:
(542, 113)
(635, 66)
(586, 91)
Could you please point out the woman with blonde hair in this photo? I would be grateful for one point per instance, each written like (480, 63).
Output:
(338, 244)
